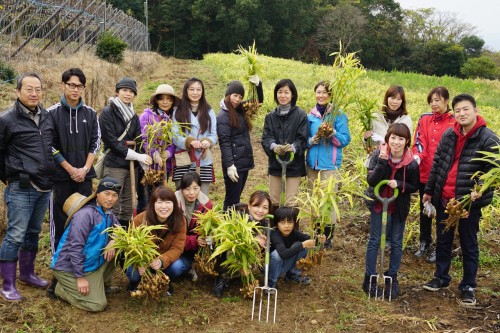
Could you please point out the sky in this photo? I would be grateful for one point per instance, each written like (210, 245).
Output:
(483, 14)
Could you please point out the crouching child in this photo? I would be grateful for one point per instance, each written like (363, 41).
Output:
(83, 262)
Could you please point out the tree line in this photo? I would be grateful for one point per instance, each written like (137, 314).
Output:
(386, 36)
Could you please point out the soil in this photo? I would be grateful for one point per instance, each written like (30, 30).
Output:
(333, 302)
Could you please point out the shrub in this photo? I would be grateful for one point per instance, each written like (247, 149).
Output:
(7, 73)
(110, 48)
(482, 67)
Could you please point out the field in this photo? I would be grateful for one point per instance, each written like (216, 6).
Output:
(334, 302)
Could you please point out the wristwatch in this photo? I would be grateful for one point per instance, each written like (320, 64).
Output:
(86, 169)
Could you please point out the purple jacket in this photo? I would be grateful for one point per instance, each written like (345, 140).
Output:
(149, 117)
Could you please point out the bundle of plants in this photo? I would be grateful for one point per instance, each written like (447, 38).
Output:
(138, 248)
(367, 109)
(252, 67)
(317, 207)
(158, 137)
(235, 239)
(206, 224)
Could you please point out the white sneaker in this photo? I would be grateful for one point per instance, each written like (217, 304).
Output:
(192, 274)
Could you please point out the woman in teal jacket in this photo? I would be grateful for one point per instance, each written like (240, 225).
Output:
(324, 155)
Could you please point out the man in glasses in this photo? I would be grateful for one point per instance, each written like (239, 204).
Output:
(76, 143)
(84, 260)
(26, 167)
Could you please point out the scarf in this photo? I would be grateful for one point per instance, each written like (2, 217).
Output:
(127, 111)
(321, 108)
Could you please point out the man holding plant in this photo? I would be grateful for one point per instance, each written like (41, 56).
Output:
(454, 176)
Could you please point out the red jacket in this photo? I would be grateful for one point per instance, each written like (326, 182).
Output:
(430, 129)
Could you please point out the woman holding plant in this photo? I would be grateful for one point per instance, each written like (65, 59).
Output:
(285, 132)
(328, 135)
(233, 128)
(163, 102)
(192, 201)
(393, 161)
(162, 210)
(194, 142)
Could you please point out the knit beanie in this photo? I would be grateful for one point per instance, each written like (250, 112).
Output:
(109, 183)
(235, 87)
(127, 82)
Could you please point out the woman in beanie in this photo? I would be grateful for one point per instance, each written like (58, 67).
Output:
(163, 102)
(233, 128)
(119, 124)
(196, 135)
(285, 132)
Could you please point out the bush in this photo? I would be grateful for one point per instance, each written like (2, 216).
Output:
(482, 67)
(7, 73)
(110, 48)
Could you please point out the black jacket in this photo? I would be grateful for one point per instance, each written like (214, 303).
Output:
(289, 246)
(77, 135)
(483, 139)
(25, 148)
(112, 126)
(281, 129)
(407, 177)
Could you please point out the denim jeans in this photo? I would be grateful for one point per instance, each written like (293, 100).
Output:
(397, 229)
(26, 209)
(279, 266)
(176, 269)
(467, 232)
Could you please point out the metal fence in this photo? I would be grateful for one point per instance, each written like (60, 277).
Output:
(68, 25)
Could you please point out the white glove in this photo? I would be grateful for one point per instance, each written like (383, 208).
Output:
(416, 158)
(132, 155)
(232, 173)
(333, 133)
(377, 138)
(314, 140)
(205, 144)
(157, 158)
(254, 79)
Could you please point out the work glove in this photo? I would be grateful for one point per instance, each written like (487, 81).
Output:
(314, 140)
(333, 133)
(232, 173)
(205, 144)
(254, 79)
(157, 158)
(289, 148)
(280, 150)
(165, 155)
(416, 158)
(132, 155)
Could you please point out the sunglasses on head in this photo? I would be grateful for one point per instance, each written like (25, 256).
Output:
(111, 185)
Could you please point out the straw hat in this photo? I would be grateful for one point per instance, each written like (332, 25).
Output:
(164, 89)
(74, 203)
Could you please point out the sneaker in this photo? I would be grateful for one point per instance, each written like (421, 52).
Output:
(218, 288)
(170, 290)
(436, 284)
(111, 290)
(304, 280)
(192, 274)
(132, 286)
(422, 250)
(467, 297)
(431, 259)
(293, 273)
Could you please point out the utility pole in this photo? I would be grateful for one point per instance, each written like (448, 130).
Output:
(147, 24)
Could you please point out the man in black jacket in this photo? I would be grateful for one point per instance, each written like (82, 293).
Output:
(26, 167)
(451, 177)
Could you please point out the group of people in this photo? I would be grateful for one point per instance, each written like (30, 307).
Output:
(53, 151)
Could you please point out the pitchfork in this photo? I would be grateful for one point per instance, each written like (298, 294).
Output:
(380, 277)
(266, 290)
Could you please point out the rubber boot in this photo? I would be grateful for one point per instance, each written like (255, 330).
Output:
(394, 291)
(27, 270)
(8, 272)
(51, 290)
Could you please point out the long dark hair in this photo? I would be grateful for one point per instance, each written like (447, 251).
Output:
(175, 220)
(391, 92)
(286, 83)
(183, 113)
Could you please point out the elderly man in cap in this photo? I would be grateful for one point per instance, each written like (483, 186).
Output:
(26, 167)
(83, 262)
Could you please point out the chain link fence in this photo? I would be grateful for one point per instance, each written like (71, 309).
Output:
(65, 25)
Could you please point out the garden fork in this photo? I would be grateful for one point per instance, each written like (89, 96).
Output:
(284, 164)
(266, 290)
(380, 278)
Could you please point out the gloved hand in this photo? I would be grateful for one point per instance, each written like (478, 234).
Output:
(289, 148)
(132, 155)
(333, 133)
(232, 173)
(280, 150)
(314, 140)
(205, 144)
(165, 155)
(254, 79)
(416, 158)
(157, 158)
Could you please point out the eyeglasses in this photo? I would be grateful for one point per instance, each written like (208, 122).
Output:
(73, 86)
(111, 185)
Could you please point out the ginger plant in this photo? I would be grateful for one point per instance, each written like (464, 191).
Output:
(252, 67)
(206, 224)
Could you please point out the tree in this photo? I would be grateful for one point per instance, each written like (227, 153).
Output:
(473, 45)
(482, 67)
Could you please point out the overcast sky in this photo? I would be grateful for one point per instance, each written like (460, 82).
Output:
(483, 14)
